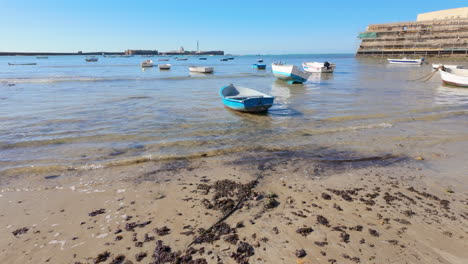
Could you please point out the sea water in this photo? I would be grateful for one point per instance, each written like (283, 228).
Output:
(65, 112)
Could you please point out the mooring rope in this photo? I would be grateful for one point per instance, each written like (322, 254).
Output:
(428, 76)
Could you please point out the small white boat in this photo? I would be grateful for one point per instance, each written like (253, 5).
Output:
(318, 66)
(164, 66)
(455, 77)
(436, 66)
(201, 69)
(163, 59)
(406, 61)
(289, 73)
(147, 63)
(181, 59)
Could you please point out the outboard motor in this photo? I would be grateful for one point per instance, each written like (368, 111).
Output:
(327, 64)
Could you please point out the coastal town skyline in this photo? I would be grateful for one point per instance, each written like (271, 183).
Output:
(262, 28)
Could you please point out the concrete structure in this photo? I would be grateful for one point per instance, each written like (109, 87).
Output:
(441, 33)
(455, 13)
(141, 52)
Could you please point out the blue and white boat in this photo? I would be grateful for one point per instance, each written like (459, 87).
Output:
(406, 61)
(289, 73)
(259, 66)
(245, 99)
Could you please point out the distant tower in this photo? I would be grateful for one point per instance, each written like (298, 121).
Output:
(181, 50)
(198, 49)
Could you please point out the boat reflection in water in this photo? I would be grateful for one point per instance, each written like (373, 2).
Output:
(318, 77)
(285, 97)
(450, 95)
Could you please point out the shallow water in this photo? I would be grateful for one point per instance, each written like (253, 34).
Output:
(65, 112)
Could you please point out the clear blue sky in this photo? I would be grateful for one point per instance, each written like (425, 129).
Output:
(236, 26)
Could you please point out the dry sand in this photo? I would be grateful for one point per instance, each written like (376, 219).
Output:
(279, 209)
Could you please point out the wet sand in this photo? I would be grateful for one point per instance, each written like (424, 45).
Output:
(278, 207)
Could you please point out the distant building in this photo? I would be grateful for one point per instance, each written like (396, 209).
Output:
(455, 13)
(141, 52)
(440, 33)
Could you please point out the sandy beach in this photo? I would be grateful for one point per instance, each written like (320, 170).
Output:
(268, 208)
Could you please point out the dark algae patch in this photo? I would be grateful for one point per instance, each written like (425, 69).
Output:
(97, 212)
(305, 231)
(102, 257)
(20, 231)
(243, 252)
(301, 253)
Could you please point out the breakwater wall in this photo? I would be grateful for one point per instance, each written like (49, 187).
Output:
(438, 38)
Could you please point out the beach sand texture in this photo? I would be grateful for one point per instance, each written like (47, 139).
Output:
(279, 210)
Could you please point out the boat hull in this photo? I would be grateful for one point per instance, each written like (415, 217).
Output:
(253, 105)
(289, 73)
(245, 100)
(318, 67)
(451, 78)
(164, 66)
(405, 61)
(259, 66)
(436, 66)
(201, 69)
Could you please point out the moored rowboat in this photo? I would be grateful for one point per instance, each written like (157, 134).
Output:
(147, 63)
(259, 66)
(245, 99)
(164, 66)
(436, 66)
(289, 73)
(406, 61)
(455, 77)
(319, 67)
(201, 69)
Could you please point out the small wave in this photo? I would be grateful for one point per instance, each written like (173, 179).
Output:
(110, 79)
(344, 129)
(354, 117)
